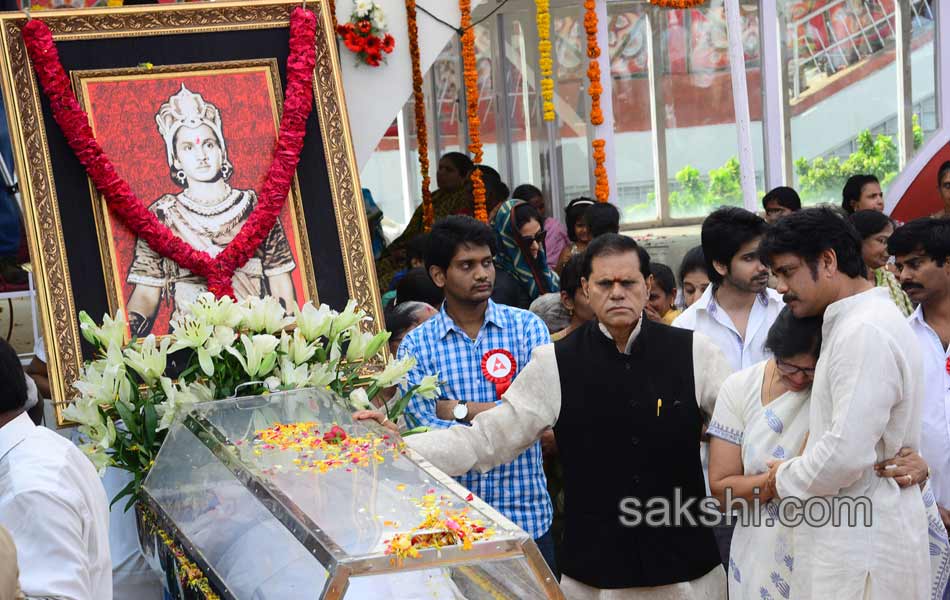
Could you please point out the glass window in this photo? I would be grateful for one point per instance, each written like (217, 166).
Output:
(383, 174)
(842, 82)
(524, 115)
(922, 70)
(448, 89)
(629, 32)
(487, 105)
(701, 138)
(571, 100)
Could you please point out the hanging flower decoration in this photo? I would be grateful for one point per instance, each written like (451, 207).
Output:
(593, 68)
(366, 33)
(128, 208)
(545, 63)
(470, 75)
(677, 3)
(422, 134)
(602, 185)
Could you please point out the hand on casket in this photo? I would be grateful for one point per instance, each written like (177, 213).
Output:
(372, 415)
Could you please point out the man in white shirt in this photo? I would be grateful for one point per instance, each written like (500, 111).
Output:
(738, 309)
(51, 502)
(922, 251)
(865, 406)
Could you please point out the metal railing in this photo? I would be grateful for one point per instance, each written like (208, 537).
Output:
(819, 48)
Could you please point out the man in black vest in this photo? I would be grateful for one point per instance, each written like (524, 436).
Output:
(626, 398)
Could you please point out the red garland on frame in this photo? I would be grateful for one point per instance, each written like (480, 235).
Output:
(74, 122)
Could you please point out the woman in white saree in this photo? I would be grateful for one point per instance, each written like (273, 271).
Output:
(761, 415)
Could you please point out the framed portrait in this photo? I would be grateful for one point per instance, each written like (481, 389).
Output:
(185, 100)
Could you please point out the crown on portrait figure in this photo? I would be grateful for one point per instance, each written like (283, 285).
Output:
(187, 108)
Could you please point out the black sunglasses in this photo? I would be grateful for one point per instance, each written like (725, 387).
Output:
(538, 237)
(789, 369)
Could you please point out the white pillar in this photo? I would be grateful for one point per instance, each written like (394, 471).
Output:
(773, 118)
(605, 131)
(740, 98)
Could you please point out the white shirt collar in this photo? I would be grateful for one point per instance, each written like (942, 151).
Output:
(918, 315)
(15, 432)
(633, 335)
(708, 302)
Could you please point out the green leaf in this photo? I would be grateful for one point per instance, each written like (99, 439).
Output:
(400, 406)
(415, 431)
(129, 487)
(151, 424)
(128, 417)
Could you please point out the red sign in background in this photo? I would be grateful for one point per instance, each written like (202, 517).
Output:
(122, 113)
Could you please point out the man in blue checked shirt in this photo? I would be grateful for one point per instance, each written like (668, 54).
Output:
(477, 347)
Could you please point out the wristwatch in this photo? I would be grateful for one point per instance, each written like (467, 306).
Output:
(460, 411)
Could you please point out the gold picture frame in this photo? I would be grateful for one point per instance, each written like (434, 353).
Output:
(67, 268)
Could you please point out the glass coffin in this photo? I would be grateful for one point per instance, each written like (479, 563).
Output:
(284, 496)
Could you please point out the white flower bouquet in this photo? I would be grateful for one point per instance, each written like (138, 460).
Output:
(126, 402)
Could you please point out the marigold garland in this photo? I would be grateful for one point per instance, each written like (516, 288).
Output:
(593, 69)
(545, 63)
(470, 77)
(677, 3)
(422, 133)
(602, 186)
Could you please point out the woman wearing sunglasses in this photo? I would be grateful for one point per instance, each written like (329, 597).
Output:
(761, 416)
(521, 269)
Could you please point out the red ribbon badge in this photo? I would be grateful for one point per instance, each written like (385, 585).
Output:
(948, 366)
(498, 367)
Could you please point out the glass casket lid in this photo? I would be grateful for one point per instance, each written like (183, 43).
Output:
(287, 490)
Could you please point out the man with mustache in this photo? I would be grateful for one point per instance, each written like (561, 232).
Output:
(738, 309)
(922, 251)
(865, 406)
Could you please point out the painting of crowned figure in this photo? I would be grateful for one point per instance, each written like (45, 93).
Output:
(194, 148)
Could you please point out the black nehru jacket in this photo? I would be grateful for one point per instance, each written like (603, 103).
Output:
(614, 446)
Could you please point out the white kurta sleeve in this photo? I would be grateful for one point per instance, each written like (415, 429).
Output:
(499, 435)
(864, 386)
(710, 370)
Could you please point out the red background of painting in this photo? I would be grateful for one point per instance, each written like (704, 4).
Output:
(122, 114)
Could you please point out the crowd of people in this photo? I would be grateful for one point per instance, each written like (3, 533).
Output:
(653, 428)
(798, 357)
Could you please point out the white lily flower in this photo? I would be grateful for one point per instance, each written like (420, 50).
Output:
(177, 403)
(111, 332)
(394, 372)
(346, 319)
(148, 360)
(101, 434)
(198, 392)
(322, 375)
(359, 342)
(293, 376)
(359, 400)
(216, 311)
(222, 338)
(272, 383)
(299, 349)
(192, 333)
(314, 323)
(265, 315)
(83, 412)
(429, 388)
(259, 356)
(99, 457)
(103, 381)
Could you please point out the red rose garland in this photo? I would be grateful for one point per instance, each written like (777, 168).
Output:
(131, 210)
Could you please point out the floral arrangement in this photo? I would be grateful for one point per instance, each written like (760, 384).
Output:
(126, 402)
(470, 78)
(545, 63)
(134, 213)
(366, 33)
(422, 134)
(440, 527)
(595, 89)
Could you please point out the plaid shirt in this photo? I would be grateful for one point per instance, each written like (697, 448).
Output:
(518, 489)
